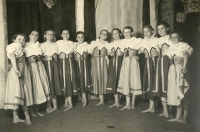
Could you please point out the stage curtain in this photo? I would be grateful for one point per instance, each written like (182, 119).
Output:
(119, 13)
(146, 12)
(89, 20)
(25, 15)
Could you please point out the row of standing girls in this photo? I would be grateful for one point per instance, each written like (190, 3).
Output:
(64, 68)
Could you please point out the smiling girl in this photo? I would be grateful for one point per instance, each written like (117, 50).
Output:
(18, 86)
(151, 51)
(83, 68)
(129, 80)
(66, 60)
(40, 83)
(52, 66)
(100, 65)
(116, 58)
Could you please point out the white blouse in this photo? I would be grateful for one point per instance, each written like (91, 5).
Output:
(33, 49)
(49, 49)
(114, 45)
(180, 49)
(66, 47)
(16, 48)
(164, 40)
(133, 43)
(99, 44)
(81, 48)
(148, 43)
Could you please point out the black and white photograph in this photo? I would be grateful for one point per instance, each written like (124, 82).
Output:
(99, 65)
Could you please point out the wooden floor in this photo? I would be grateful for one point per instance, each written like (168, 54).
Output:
(102, 119)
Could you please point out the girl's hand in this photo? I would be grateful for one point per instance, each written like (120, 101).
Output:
(184, 70)
(17, 73)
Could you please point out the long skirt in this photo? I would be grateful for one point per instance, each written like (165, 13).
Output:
(18, 90)
(129, 80)
(40, 82)
(149, 77)
(83, 75)
(99, 74)
(54, 76)
(178, 85)
(68, 77)
(161, 78)
(114, 69)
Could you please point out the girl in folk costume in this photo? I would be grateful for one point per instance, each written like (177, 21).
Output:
(129, 80)
(100, 65)
(162, 67)
(52, 66)
(82, 66)
(65, 51)
(116, 58)
(178, 77)
(18, 86)
(40, 83)
(151, 51)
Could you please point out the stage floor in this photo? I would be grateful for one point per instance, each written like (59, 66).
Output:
(102, 119)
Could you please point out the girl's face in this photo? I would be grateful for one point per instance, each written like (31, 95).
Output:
(34, 36)
(175, 38)
(162, 30)
(80, 38)
(20, 39)
(65, 35)
(115, 35)
(103, 35)
(127, 33)
(49, 35)
(147, 32)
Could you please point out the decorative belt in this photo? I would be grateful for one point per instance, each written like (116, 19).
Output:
(20, 60)
(39, 58)
(119, 53)
(32, 59)
(47, 58)
(178, 60)
(79, 57)
(131, 55)
(126, 53)
(65, 56)
(153, 54)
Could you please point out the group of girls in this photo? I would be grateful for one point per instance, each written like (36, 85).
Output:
(42, 71)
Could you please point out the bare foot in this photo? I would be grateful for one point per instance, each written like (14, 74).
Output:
(40, 114)
(17, 120)
(48, 109)
(175, 119)
(148, 111)
(68, 108)
(66, 105)
(93, 97)
(33, 115)
(114, 105)
(125, 108)
(133, 107)
(100, 103)
(28, 121)
(164, 115)
(52, 110)
(84, 104)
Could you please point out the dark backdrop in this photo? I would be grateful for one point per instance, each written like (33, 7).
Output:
(190, 34)
(26, 15)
